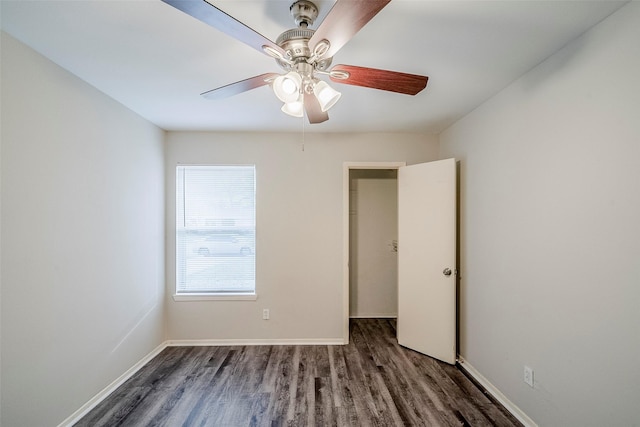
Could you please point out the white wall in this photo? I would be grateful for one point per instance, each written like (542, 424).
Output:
(550, 169)
(82, 239)
(299, 229)
(373, 262)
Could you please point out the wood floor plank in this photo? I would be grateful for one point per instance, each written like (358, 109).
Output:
(305, 401)
(372, 381)
(279, 404)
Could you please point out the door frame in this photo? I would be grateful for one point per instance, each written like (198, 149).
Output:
(347, 167)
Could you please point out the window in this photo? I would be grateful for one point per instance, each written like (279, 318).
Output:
(215, 230)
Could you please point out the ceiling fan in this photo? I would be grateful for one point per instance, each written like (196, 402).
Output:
(304, 54)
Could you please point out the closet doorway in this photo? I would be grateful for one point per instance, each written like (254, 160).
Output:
(373, 243)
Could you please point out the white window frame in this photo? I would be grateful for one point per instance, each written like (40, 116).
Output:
(212, 295)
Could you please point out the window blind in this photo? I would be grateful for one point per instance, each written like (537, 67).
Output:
(215, 229)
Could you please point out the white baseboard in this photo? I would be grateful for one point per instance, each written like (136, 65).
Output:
(236, 342)
(93, 402)
(497, 394)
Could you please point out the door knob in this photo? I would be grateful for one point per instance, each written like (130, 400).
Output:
(446, 272)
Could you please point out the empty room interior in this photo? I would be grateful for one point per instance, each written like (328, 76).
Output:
(518, 273)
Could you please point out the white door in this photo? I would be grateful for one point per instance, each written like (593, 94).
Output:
(426, 258)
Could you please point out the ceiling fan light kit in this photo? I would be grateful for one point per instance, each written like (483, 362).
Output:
(304, 53)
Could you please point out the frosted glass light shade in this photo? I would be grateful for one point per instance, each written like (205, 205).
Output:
(327, 96)
(294, 108)
(287, 87)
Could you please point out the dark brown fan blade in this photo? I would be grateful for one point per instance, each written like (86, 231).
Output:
(239, 87)
(313, 110)
(392, 81)
(215, 17)
(343, 21)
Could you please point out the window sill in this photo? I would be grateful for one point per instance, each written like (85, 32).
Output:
(215, 297)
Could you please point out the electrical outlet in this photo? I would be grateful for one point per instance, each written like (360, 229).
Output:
(528, 376)
(265, 314)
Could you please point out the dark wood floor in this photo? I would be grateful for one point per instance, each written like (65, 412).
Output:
(370, 382)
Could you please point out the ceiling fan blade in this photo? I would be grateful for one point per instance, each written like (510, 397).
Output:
(343, 21)
(239, 87)
(393, 81)
(220, 20)
(313, 110)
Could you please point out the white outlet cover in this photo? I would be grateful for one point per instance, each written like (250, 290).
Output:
(528, 376)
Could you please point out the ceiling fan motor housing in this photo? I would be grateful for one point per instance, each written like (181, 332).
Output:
(295, 43)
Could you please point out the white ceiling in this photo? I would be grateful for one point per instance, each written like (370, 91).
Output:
(156, 60)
